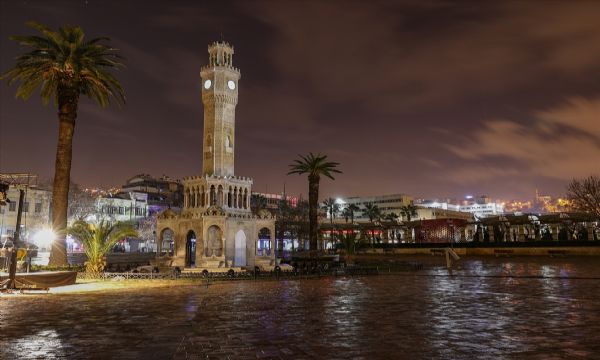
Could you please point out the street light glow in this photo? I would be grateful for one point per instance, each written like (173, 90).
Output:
(44, 237)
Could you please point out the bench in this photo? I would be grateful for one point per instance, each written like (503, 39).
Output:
(503, 252)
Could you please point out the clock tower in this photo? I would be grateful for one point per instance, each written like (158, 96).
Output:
(219, 97)
(216, 230)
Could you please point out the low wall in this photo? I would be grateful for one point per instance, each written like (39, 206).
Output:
(499, 251)
(123, 259)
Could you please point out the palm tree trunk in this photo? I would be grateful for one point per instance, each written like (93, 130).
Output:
(67, 104)
(313, 199)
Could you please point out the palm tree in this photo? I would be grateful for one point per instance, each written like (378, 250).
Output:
(372, 212)
(97, 240)
(391, 216)
(65, 66)
(314, 166)
(349, 212)
(332, 208)
(408, 211)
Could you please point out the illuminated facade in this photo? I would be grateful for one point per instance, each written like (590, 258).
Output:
(216, 227)
(35, 216)
(387, 204)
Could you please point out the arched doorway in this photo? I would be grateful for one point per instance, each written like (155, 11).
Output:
(263, 247)
(190, 249)
(240, 249)
(166, 241)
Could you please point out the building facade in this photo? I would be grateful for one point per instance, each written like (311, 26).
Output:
(216, 227)
(161, 193)
(387, 204)
(35, 216)
(120, 209)
(481, 207)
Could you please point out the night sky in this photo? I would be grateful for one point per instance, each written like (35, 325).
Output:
(429, 98)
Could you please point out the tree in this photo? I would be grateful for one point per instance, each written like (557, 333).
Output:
(332, 208)
(349, 211)
(315, 166)
(373, 213)
(391, 216)
(584, 195)
(65, 66)
(81, 203)
(408, 211)
(98, 239)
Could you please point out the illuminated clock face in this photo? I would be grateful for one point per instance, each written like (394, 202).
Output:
(231, 84)
(207, 84)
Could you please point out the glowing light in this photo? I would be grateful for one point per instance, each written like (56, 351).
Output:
(44, 238)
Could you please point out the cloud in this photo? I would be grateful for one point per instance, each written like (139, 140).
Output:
(468, 51)
(560, 143)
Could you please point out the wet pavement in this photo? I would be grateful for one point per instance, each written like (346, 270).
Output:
(494, 308)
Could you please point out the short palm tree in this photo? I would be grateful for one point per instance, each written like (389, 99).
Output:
(315, 166)
(65, 66)
(98, 239)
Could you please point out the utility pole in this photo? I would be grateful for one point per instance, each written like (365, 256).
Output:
(12, 273)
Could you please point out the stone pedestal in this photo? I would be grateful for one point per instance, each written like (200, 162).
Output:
(213, 262)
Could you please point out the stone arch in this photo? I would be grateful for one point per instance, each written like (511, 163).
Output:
(235, 195)
(190, 249)
(220, 195)
(214, 241)
(213, 196)
(240, 249)
(202, 197)
(264, 243)
(245, 198)
(229, 203)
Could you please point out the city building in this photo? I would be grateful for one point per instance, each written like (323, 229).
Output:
(433, 213)
(216, 227)
(35, 216)
(387, 204)
(121, 209)
(161, 193)
(271, 201)
(479, 207)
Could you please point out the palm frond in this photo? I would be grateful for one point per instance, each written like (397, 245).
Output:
(63, 58)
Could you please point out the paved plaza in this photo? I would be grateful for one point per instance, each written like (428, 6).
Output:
(490, 308)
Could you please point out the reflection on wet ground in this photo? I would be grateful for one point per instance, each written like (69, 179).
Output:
(544, 309)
